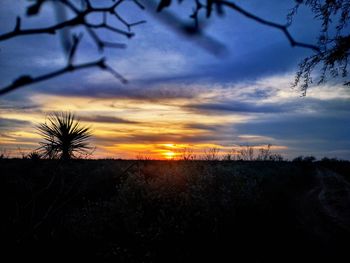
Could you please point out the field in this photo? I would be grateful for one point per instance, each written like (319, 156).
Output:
(175, 211)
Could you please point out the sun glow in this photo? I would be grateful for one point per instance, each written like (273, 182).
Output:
(129, 129)
(169, 155)
(170, 145)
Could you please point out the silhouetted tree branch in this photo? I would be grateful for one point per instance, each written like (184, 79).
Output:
(333, 42)
(80, 19)
(221, 3)
(331, 52)
(70, 67)
(25, 80)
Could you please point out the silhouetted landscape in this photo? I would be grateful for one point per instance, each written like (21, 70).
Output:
(149, 131)
(175, 211)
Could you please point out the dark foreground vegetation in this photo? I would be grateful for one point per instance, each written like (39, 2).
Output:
(175, 211)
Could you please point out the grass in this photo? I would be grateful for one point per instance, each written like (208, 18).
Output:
(162, 211)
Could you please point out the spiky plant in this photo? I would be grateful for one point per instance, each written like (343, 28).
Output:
(34, 155)
(64, 136)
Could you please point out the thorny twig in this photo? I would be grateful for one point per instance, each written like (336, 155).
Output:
(80, 19)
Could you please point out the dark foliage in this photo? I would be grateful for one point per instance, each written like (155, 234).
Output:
(34, 156)
(333, 42)
(160, 211)
(64, 136)
(306, 159)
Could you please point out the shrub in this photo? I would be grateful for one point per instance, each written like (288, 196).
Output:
(34, 155)
(63, 136)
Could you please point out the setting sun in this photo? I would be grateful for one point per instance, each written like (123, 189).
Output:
(169, 155)
(156, 130)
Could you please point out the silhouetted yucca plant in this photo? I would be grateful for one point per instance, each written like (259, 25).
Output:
(34, 156)
(64, 136)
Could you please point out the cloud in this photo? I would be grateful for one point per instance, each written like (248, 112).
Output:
(202, 126)
(238, 107)
(114, 90)
(152, 62)
(301, 126)
(106, 119)
(151, 138)
(304, 133)
(18, 104)
(9, 124)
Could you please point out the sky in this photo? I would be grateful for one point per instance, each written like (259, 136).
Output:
(179, 94)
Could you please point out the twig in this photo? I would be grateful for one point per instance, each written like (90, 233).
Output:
(283, 28)
(76, 40)
(78, 20)
(27, 80)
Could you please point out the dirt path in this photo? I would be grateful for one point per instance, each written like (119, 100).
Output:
(325, 209)
(334, 198)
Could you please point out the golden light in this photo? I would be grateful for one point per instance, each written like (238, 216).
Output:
(171, 145)
(169, 155)
(154, 130)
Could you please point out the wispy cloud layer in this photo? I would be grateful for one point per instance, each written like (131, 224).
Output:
(245, 113)
(178, 94)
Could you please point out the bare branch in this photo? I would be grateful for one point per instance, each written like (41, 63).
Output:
(283, 28)
(28, 80)
(141, 6)
(80, 19)
(114, 73)
(110, 28)
(47, 30)
(76, 41)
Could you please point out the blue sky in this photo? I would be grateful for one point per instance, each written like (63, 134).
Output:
(178, 93)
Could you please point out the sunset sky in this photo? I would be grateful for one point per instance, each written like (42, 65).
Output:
(179, 95)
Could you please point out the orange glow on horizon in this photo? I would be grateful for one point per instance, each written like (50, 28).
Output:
(169, 155)
(132, 129)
